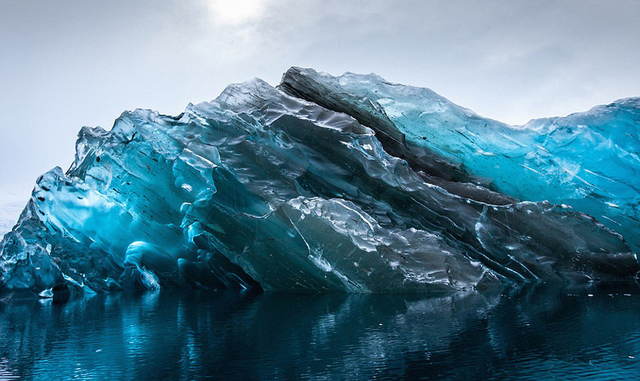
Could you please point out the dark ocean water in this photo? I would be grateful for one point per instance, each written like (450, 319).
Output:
(531, 333)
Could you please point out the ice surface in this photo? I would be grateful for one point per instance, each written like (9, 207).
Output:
(331, 184)
(590, 160)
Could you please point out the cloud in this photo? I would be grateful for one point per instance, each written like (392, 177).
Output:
(72, 63)
(234, 12)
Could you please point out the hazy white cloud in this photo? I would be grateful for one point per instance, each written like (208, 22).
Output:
(71, 63)
(234, 12)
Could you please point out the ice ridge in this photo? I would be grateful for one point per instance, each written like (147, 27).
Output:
(328, 183)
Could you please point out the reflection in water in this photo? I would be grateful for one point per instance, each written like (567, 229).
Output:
(530, 334)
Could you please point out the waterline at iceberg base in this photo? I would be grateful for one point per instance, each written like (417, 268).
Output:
(328, 183)
(524, 333)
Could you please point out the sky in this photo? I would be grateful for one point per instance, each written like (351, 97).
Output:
(65, 64)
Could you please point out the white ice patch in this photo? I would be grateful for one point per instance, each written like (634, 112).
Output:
(46, 294)
(321, 263)
(149, 279)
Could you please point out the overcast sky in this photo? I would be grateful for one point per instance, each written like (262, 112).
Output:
(69, 63)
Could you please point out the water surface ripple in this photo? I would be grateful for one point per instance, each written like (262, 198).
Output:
(529, 334)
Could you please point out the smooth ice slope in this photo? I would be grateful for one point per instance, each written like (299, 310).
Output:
(322, 184)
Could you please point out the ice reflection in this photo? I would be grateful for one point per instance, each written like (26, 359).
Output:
(522, 333)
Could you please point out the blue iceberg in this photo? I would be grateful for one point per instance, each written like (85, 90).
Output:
(328, 183)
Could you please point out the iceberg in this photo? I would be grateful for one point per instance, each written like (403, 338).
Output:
(326, 183)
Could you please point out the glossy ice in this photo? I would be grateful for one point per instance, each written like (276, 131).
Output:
(320, 184)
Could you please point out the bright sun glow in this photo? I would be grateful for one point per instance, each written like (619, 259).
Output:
(235, 11)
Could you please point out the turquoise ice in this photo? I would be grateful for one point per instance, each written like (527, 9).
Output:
(333, 184)
(588, 160)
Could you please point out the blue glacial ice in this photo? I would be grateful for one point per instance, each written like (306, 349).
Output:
(590, 160)
(328, 183)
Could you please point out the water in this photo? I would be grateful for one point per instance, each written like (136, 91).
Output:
(526, 334)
